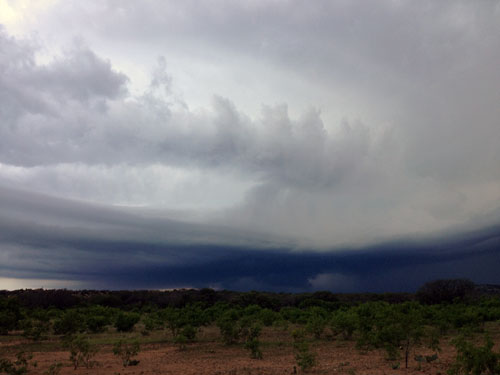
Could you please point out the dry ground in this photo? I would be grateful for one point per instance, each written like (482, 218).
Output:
(209, 356)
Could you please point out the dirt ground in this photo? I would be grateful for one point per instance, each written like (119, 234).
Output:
(210, 356)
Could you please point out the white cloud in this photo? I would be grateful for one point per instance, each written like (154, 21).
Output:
(390, 127)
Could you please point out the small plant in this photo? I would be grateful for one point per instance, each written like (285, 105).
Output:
(127, 350)
(96, 324)
(186, 335)
(252, 342)
(54, 369)
(304, 357)
(181, 341)
(475, 360)
(81, 351)
(229, 327)
(69, 323)
(344, 323)
(35, 329)
(125, 321)
(18, 367)
(316, 322)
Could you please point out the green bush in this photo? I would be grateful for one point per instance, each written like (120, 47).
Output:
(344, 322)
(252, 342)
(126, 350)
(316, 321)
(69, 323)
(125, 321)
(18, 367)
(229, 327)
(35, 329)
(54, 369)
(81, 351)
(475, 360)
(186, 335)
(394, 327)
(305, 358)
(10, 315)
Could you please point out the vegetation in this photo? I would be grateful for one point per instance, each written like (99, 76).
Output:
(17, 367)
(126, 350)
(126, 321)
(81, 351)
(404, 326)
(306, 359)
(475, 360)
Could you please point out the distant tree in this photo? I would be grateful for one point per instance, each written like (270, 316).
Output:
(448, 290)
(10, 314)
(317, 321)
(70, 322)
(126, 321)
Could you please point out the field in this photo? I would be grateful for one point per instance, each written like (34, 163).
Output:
(251, 335)
(158, 355)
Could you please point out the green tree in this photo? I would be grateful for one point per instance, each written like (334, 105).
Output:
(10, 314)
(229, 327)
(252, 341)
(69, 323)
(126, 350)
(344, 322)
(475, 360)
(305, 358)
(81, 351)
(126, 321)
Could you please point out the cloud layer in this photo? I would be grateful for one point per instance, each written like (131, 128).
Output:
(275, 125)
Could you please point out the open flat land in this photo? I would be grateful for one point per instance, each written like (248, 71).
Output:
(159, 355)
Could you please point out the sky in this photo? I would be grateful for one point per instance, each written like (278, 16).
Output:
(270, 145)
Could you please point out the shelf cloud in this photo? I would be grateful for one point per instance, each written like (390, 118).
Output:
(163, 144)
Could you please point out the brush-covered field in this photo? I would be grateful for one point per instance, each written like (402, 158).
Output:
(252, 333)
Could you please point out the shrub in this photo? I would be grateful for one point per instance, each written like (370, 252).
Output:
(181, 341)
(69, 323)
(127, 350)
(35, 329)
(475, 360)
(229, 327)
(344, 322)
(18, 367)
(394, 327)
(304, 357)
(317, 321)
(96, 323)
(126, 321)
(10, 315)
(268, 317)
(81, 351)
(186, 335)
(252, 342)
(152, 322)
(54, 369)
(189, 332)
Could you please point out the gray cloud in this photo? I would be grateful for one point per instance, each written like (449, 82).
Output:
(416, 86)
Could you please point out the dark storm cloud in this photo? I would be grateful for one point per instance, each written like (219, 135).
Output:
(415, 154)
(106, 248)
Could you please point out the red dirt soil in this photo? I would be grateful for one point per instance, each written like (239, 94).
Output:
(212, 357)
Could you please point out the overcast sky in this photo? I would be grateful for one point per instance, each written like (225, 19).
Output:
(281, 145)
